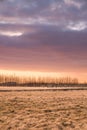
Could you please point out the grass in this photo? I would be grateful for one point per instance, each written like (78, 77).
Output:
(46, 110)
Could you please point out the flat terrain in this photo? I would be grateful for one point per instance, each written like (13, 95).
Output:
(43, 110)
(19, 88)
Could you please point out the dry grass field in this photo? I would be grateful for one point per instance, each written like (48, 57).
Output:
(43, 110)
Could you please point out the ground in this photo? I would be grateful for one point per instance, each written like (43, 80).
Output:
(43, 110)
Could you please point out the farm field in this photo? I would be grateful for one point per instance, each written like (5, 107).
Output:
(43, 110)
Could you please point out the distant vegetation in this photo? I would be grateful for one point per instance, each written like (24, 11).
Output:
(13, 80)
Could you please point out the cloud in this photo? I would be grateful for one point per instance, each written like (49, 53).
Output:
(53, 12)
(49, 32)
(79, 26)
(10, 34)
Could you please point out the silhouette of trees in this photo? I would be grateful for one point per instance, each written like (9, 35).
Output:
(12, 80)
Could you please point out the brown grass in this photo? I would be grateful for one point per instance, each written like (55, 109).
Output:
(61, 110)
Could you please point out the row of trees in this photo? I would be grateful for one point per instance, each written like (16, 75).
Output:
(16, 80)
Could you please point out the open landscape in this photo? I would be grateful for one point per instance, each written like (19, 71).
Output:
(43, 110)
(43, 64)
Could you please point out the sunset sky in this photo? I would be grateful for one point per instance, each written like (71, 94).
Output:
(46, 36)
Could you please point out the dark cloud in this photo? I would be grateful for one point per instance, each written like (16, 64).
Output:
(69, 43)
(2, 0)
(54, 10)
(53, 33)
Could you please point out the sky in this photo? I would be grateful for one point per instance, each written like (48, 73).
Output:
(48, 36)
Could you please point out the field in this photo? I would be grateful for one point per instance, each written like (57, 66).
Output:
(43, 110)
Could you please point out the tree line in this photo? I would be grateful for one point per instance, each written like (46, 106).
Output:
(12, 80)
